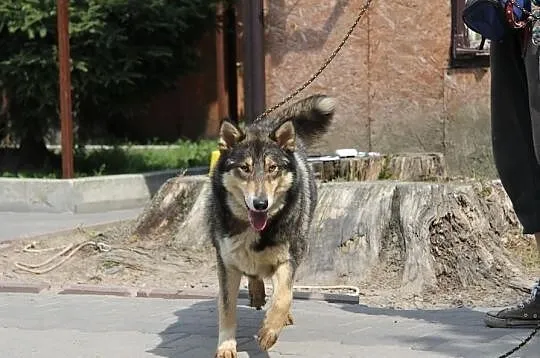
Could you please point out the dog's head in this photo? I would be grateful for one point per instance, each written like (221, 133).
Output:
(258, 164)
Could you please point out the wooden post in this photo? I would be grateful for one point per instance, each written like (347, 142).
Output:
(220, 63)
(231, 68)
(66, 119)
(254, 68)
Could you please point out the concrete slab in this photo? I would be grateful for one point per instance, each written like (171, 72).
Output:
(92, 326)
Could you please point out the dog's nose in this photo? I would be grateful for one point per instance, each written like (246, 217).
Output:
(260, 204)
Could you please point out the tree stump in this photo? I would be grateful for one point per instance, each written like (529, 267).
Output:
(406, 167)
(411, 236)
(417, 238)
(414, 236)
(171, 205)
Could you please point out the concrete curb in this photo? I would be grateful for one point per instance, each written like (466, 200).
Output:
(119, 291)
(85, 195)
(107, 193)
(65, 232)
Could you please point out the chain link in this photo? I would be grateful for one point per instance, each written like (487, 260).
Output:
(363, 10)
(530, 15)
(522, 344)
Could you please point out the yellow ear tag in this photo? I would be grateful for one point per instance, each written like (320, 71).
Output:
(213, 160)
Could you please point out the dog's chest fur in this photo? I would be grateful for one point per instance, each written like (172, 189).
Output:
(237, 251)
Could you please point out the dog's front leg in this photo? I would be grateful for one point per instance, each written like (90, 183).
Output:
(229, 283)
(278, 314)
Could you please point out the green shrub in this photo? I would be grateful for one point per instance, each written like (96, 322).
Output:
(122, 52)
(184, 154)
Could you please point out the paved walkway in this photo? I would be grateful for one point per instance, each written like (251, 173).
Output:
(47, 326)
(19, 225)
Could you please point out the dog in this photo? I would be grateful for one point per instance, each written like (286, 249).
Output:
(262, 200)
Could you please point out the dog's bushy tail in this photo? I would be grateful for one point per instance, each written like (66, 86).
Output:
(311, 116)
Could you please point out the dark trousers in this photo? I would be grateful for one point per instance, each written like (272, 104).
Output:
(515, 124)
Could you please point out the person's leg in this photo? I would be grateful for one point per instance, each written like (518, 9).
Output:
(512, 136)
(515, 123)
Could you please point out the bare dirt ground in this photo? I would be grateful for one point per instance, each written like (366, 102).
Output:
(127, 261)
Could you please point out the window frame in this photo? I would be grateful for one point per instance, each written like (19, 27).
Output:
(462, 53)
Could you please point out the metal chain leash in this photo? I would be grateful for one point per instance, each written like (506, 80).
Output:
(531, 17)
(361, 13)
(522, 344)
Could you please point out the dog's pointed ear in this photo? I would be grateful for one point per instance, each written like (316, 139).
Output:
(285, 136)
(229, 135)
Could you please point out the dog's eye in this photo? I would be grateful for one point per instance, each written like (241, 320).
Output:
(272, 168)
(244, 168)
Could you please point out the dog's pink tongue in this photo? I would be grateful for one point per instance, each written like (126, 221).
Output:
(258, 219)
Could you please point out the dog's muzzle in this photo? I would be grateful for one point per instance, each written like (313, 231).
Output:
(258, 212)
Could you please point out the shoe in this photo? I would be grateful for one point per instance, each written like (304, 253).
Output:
(524, 315)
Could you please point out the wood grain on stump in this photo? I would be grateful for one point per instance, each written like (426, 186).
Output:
(411, 236)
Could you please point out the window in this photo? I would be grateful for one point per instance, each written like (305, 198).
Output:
(465, 50)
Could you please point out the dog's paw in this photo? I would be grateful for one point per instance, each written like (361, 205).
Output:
(267, 337)
(226, 353)
(289, 321)
(227, 349)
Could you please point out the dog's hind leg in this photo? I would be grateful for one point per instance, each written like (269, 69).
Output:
(257, 297)
(257, 294)
(278, 315)
(229, 283)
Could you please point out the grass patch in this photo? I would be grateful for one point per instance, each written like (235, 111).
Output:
(31, 174)
(134, 160)
(129, 160)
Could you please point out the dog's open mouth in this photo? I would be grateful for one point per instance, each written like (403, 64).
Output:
(258, 219)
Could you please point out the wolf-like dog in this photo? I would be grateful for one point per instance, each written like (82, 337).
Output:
(263, 195)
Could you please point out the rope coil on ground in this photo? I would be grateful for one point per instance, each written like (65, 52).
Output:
(35, 268)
